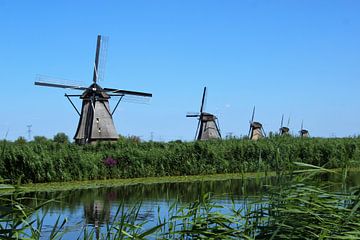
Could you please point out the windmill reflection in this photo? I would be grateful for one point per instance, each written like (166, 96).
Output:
(97, 213)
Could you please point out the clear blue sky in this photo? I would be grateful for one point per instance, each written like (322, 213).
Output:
(299, 57)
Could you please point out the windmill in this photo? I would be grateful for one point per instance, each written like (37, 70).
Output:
(303, 132)
(96, 119)
(284, 130)
(256, 130)
(207, 123)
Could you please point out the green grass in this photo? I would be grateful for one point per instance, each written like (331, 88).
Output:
(44, 160)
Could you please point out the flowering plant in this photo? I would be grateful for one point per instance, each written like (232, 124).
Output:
(110, 162)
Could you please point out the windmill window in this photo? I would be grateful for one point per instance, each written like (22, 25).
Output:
(97, 120)
(99, 130)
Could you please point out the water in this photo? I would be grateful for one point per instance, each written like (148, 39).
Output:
(95, 208)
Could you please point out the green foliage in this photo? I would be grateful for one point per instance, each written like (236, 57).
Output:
(61, 138)
(20, 140)
(44, 160)
(40, 139)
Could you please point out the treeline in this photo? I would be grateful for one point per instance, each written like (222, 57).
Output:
(44, 160)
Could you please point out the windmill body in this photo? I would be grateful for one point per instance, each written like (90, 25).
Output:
(208, 127)
(284, 131)
(256, 130)
(96, 121)
(304, 133)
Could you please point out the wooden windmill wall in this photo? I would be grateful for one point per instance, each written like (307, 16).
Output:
(96, 122)
(284, 131)
(304, 133)
(256, 131)
(208, 127)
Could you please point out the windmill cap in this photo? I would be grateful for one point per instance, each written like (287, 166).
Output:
(207, 117)
(256, 125)
(304, 131)
(284, 129)
(95, 88)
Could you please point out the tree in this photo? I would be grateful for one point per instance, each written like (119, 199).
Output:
(40, 139)
(61, 138)
(20, 140)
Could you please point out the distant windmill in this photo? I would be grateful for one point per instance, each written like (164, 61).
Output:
(96, 122)
(284, 130)
(303, 132)
(208, 123)
(256, 130)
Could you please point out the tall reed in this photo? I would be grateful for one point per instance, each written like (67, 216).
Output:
(48, 161)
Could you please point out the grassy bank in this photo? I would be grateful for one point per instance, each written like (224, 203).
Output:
(50, 161)
(88, 184)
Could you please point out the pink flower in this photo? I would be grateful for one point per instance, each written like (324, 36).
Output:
(110, 162)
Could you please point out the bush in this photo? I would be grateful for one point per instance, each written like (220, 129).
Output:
(61, 138)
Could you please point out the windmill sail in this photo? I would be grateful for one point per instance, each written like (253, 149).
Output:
(283, 130)
(97, 54)
(207, 127)
(96, 122)
(256, 130)
(303, 132)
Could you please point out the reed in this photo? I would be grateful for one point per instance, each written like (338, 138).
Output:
(302, 207)
(57, 161)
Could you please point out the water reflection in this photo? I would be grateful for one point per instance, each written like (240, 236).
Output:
(185, 192)
(96, 207)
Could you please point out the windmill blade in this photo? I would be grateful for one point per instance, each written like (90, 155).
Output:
(302, 124)
(249, 130)
(197, 129)
(135, 99)
(193, 115)
(253, 115)
(126, 92)
(96, 64)
(46, 81)
(102, 58)
(263, 131)
(203, 100)
(282, 121)
(45, 84)
(218, 127)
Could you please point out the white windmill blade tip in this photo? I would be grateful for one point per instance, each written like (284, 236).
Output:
(58, 80)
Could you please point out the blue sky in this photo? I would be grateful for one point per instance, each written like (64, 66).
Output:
(299, 58)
